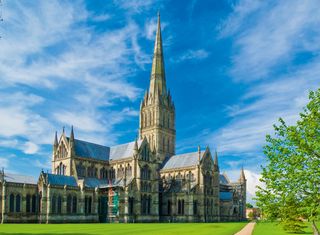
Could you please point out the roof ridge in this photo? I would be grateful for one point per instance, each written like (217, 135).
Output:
(125, 143)
(196, 152)
(92, 143)
(6, 174)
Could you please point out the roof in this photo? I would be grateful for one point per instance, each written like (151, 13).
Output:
(99, 152)
(182, 160)
(62, 180)
(117, 183)
(91, 150)
(94, 182)
(14, 178)
(123, 150)
(225, 196)
(224, 179)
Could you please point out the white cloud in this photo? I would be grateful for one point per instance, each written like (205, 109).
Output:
(100, 18)
(252, 182)
(134, 5)
(4, 162)
(30, 148)
(270, 34)
(265, 48)
(66, 73)
(150, 29)
(192, 55)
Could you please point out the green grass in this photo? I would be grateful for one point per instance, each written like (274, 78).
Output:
(123, 229)
(267, 228)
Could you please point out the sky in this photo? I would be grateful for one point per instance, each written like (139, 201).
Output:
(233, 68)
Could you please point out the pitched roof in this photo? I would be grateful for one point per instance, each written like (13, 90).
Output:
(62, 180)
(117, 183)
(95, 151)
(182, 160)
(225, 196)
(123, 150)
(24, 179)
(94, 182)
(91, 150)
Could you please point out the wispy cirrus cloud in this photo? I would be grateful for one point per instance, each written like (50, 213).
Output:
(193, 55)
(269, 35)
(56, 70)
(278, 61)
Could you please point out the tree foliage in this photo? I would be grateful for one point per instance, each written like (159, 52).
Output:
(249, 205)
(292, 174)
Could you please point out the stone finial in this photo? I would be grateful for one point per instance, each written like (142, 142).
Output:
(242, 178)
(215, 161)
(135, 147)
(55, 142)
(72, 134)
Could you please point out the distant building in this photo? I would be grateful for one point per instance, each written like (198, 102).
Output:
(253, 213)
(140, 181)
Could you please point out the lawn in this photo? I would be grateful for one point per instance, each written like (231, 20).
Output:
(267, 228)
(123, 229)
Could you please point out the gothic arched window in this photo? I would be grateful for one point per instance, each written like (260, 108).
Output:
(11, 203)
(53, 204)
(34, 201)
(69, 202)
(74, 204)
(59, 209)
(18, 202)
(81, 170)
(28, 203)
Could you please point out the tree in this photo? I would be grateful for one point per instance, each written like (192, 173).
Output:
(248, 205)
(251, 215)
(292, 173)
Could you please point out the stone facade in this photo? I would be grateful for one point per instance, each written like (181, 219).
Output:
(140, 181)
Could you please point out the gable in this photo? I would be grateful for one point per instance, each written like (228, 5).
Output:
(207, 161)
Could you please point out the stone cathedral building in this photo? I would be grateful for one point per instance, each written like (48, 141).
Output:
(140, 181)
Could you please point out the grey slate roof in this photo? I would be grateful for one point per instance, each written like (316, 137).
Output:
(123, 150)
(95, 151)
(62, 180)
(223, 179)
(91, 150)
(24, 179)
(225, 196)
(94, 182)
(182, 160)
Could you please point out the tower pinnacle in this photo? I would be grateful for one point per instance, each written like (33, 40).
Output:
(157, 112)
(242, 176)
(157, 79)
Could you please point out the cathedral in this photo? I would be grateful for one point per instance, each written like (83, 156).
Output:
(141, 181)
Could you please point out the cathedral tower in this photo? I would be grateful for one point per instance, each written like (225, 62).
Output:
(157, 111)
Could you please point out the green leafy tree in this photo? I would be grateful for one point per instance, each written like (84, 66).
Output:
(251, 215)
(248, 205)
(292, 174)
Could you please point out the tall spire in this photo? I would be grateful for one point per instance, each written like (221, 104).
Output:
(157, 79)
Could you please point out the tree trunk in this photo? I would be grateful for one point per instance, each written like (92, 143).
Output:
(315, 229)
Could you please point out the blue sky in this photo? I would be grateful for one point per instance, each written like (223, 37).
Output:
(233, 68)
